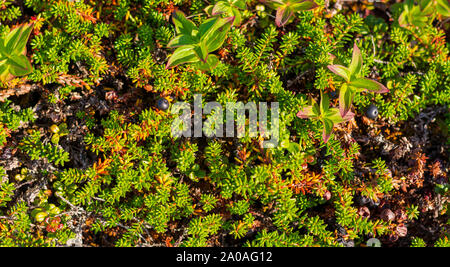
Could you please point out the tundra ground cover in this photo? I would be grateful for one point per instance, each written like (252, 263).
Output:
(87, 151)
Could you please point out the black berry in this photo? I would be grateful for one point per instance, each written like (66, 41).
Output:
(372, 112)
(163, 104)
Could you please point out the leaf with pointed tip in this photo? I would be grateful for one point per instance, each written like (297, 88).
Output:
(221, 7)
(327, 129)
(182, 24)
(443, 8)
(211, 62)
(305, 5)
(181, 55)
(208, 10)
(284, 13)
(409, 5)
(306, 113)
(402, 20)
(239, 4)
(340, 71)
(4, 73)
(324, 103)
(427, 7)
(16, 40)
(180, 40)
(334, 115)
(237, 16)
(19, 65)
(201, 52)
(215, 35)
(346, 96)
(357, 61)
(368, 84)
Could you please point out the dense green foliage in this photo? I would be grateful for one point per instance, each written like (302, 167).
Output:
(137, 185)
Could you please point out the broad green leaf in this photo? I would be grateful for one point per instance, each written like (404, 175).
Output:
(201, 52)
(307, 113)
(425, 4)
(340, 71)
(275, 4)
(357, 62)
(305, 5)
(427, 7)
(182, 24)
(217, 34)
(4, 72)
(409, 5)
(19, 65)
(346, 96)
(207, 26)
(182, 39)
(324, 103)
(221, 7)
(327, 129)
(443, 8)
(334, 115)
(237, 16)
(11, 39)
(20, 46)
(184, 54)
(211, 62)
(239, 4)
(402, 20)
(368, 84)
(316, 108)
(208, 10)
(283, 15)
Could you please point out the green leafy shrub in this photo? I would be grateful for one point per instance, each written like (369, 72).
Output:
(84, 143)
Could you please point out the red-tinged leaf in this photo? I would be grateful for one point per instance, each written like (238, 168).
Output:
(283, 15)
(305, 5)
(237, 16)
(340, 71)
(214, 35)
(220, 7)
(306, 113)
(335, 116)
(357, 61)
(348, 116)
(201, 52)
(184, 54)
(327, 129)
(346, 96)
(19, 65)
(182, 24)
(180, 40)
(240, 4)
(402, 19)
(208, 10)
(368, 84)
(324, 103)
(16, 40)
(4, 73)
(211, 62)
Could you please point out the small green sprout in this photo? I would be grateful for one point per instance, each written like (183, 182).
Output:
(287, 8)
(194, 44)
(355, 82)
(229, 8)
(328, 116)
